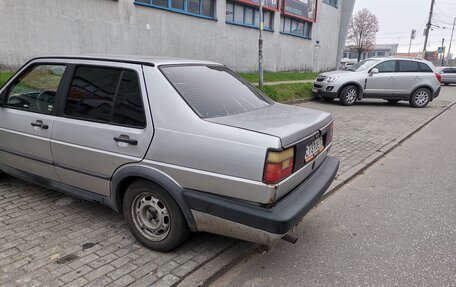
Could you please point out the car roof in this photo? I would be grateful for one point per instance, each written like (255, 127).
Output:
(137, 59)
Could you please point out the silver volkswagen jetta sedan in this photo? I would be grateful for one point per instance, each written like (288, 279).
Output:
(176, 145)
(391, 79)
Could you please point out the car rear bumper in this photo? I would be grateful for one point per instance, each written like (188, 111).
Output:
(261, 224)
(437, 93)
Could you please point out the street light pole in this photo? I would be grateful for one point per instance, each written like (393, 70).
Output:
(451, 41)
(428, 28)
(443, 52)
(260, 47)
(412, 37)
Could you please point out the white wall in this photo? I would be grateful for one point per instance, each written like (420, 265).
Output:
(34, 28)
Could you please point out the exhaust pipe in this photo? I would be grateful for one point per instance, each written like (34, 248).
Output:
(290, 238)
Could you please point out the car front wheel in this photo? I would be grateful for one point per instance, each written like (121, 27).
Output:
(349, 95)
(154, 217)
(420, 98)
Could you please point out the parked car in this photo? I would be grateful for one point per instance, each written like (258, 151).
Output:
(176, 145)
(391, 79)
(448, 75)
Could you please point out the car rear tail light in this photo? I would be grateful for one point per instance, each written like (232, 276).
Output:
(279, 165)
(330, 133)
(439, 77)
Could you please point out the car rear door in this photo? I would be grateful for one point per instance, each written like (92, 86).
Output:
(27, 118)
(408, 78)
(381, 84)
(451, 75)
(104, 123)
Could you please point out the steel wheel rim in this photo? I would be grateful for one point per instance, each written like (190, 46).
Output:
(351, 96)
(421, 98)
(151, 217)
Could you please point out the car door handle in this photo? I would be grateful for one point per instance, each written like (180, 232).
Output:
(125, 139)
(39, 124)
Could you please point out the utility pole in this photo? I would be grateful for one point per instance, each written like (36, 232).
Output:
(428, 28)
(260, 47)
(443, 52)
(412, 37)
(451, 41)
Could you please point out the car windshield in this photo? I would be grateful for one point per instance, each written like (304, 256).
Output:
(214, 91)
(363, 65)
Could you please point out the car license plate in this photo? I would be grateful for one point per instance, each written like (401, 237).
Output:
(313, 149)
(314, 90)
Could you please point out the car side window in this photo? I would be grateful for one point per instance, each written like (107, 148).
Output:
(129, 109)
(109, 95)
(386, 67)
(424, 68)
(91, 94)
(408, 66)
(36, 90)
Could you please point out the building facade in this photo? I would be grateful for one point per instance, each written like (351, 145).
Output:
(298, 34)
(379, 50)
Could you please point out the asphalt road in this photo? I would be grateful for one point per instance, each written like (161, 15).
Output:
(393, 225)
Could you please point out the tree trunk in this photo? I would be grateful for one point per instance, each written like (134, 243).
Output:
(359, 55)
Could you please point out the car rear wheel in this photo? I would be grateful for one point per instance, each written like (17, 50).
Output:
(393, 101)
(154, 217)
(420, 98)
(348, 95)
(446, 84)
(328, 99)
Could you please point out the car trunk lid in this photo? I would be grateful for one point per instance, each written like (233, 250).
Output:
(289, 123)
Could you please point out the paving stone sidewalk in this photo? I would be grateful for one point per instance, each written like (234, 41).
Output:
(50, 239)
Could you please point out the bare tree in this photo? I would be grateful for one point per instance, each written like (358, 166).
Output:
(362, 31)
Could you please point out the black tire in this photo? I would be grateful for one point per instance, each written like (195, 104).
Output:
(393, 101)
(152, 202)
(327, 99)
(420, 98)
(446, 84)
(349, 95)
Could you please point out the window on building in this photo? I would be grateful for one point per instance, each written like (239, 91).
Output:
(105, 95)
(331, 2)
(295, 27)
(249, 16)
(381, 54)
(203, 8)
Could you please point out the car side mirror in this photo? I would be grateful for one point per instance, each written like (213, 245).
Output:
(373, 71)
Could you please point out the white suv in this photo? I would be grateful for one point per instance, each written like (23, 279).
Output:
(391, 79)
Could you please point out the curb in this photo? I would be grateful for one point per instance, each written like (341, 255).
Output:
(300, 101)
(284, 82)
(216, 267)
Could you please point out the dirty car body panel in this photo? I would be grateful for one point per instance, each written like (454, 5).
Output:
(212, 153)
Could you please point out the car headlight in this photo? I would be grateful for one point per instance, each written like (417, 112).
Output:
(332, 79)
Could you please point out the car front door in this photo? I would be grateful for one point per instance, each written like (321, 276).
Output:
(104, 123)
(27, 117)
(381, 84)
(407, 79)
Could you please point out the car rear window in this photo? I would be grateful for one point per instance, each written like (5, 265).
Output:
(425, 68)
(214, 91)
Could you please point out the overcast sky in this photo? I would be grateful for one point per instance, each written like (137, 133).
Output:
(398, 17)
